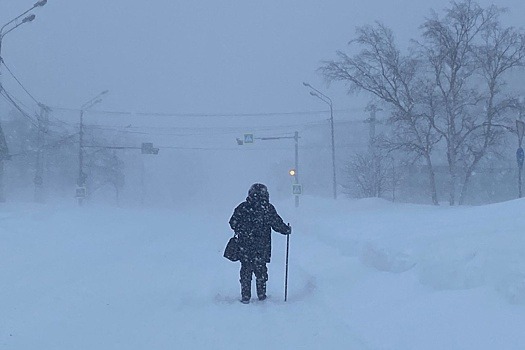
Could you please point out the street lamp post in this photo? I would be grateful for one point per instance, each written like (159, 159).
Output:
(328, 100)
(81, 182)
(4, 151)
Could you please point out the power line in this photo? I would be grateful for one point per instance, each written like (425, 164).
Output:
(13, 101)
(243, 148)
(9, 99)
(192, 128)
(195, 131)
(2, 61)
(18, 81)
(208, 115)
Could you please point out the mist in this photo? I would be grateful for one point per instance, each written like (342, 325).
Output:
(388, 135)
(191, 79)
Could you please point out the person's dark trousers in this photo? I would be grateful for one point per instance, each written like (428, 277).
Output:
(260, 270)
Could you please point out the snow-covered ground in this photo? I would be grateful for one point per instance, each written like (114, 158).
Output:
(364, 274)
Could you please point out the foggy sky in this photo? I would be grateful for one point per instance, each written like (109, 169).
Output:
(196, 56)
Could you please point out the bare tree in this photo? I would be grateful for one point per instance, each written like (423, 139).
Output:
(501, 50)
(382, 71)
(448, 48)
(451, 89)
(369, 174)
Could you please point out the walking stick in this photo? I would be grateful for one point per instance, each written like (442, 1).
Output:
(286, 274)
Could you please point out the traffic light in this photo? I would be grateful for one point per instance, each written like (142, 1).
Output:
(292, 172)
(147, 148)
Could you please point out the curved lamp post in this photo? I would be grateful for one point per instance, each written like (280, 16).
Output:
(328, 101)
(4, 151)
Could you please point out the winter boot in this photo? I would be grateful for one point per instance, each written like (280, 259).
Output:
(246, 292)
(261, 289)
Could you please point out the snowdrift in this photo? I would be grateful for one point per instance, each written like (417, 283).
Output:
(364, 274)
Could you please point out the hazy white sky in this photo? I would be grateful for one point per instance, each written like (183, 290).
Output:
(207, 56)
(198, 56)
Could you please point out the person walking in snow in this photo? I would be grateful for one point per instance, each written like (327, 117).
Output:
(253, 221)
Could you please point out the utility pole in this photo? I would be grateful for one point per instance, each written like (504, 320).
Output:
(296, 177)
(376, 158)
(4, 155)
(4, 150)
(39, 171)
(142, 182)
(372, 120)
(81, 182)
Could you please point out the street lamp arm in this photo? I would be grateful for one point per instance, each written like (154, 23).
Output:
(40, 3)
(86, 107)
(328, 102)
(93, 101)
(319, 92)
(2, 35)
(10, 30)
(14, 20)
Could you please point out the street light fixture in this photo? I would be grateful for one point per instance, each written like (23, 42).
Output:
(328, 101)
(29, 18)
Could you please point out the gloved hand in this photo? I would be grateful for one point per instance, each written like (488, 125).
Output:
(289, 231)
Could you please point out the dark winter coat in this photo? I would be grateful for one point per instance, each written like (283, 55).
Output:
(253, 221)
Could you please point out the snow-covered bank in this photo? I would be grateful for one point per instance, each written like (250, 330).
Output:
(364, 274)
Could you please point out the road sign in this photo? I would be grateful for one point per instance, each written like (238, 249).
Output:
(297, 189)
(80, 192)
(248, 138)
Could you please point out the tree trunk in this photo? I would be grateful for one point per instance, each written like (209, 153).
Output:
(432, 178)
(451, 155)
(466, 182)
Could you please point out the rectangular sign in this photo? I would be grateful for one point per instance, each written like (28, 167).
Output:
(80, 192)
(297, 189)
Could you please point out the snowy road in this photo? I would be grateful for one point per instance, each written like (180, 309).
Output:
(107, 278)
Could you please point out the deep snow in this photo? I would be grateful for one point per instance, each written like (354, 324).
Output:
(364, 274)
